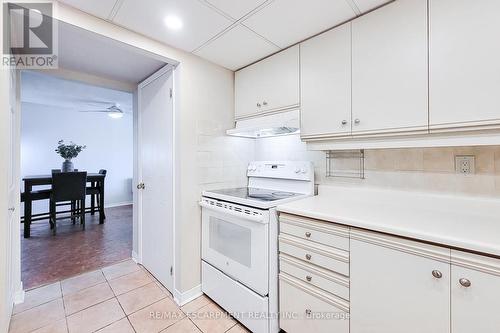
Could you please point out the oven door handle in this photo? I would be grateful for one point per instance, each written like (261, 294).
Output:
(253, 218)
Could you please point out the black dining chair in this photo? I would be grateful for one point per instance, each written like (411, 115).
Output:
(68, 187)
(95, 191)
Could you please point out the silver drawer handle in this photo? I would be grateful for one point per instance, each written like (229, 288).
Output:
(437, 274)
(308, 234)
(308, 278)
(465, 282)
(308, 256)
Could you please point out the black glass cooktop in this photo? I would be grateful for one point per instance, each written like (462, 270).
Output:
(256, 193)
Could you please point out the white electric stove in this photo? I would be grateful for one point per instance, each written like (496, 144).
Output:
(240, 240)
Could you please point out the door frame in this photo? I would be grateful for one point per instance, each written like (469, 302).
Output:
(138, 198)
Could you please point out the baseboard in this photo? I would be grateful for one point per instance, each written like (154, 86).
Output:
(187, 296)
(135, 257)
(118, 204)
(19, 294)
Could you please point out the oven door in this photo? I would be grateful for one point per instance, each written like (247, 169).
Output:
(235, 239)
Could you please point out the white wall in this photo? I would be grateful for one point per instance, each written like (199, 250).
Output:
(109, 146)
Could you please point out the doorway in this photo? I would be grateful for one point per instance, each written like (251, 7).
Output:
(147, 80)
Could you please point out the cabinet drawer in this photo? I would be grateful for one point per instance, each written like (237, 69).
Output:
(327, 257)
(326, 233)
(335, 284)
(308, 309)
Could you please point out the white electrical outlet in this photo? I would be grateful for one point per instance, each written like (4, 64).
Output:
(465, 164)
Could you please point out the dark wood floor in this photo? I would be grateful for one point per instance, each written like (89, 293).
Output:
(46, 258)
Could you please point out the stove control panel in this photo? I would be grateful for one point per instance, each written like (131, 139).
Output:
(296, 170)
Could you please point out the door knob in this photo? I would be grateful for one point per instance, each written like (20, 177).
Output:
(308, 256)
(141, 186)
(437, 274)
(308, 312)
(12, 209)
(308, 234)
(308, 278)
(465, 282)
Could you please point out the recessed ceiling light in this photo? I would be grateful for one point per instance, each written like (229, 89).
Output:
(173, 22)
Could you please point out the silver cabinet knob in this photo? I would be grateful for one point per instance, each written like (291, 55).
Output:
(141, 186)
(465, 282)
(308, 278)
(357, 121)
(344, 122)
(308, 257)
(264, 103)
(308, 234)
(437, 274)
(12, 209)
(308, 312)
(259, 105)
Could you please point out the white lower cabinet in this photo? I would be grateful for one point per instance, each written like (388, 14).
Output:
(394, 291)
(381, 283)
(475, 293)
(307, 309)
(314, 276)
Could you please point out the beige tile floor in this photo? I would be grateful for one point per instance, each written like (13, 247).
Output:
(121, 298)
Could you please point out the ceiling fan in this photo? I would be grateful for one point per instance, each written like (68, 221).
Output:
(113, 111)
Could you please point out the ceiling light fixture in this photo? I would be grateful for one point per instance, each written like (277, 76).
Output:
(115, 115)
(173, 22)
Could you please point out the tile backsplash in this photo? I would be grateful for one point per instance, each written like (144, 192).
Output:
(420, 169)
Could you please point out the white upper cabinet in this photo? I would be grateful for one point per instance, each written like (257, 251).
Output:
(475, 293)
(389, 69)
(269, 85)
(325, 64)
(464, 63)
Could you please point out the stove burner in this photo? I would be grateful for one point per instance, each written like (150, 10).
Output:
(256, 193)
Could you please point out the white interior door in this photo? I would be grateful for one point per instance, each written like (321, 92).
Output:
(156, 145)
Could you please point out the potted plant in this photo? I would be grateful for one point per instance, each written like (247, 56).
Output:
(68, 152)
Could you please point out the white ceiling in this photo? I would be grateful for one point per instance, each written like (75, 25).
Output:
(231, 33)
(39, 88)
(87, 52)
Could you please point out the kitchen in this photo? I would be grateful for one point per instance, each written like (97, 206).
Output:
(348, 182)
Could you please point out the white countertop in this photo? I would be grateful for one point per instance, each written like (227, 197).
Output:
(463, 222)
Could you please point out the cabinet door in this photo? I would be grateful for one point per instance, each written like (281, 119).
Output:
(269, 85)
(325, 63)
(393, 291)
(389, 69)
(464, 63)
(475, 308)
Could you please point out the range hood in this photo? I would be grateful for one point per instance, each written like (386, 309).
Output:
(283, 123)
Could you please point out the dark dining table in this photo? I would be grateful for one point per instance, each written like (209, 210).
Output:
(40, 180)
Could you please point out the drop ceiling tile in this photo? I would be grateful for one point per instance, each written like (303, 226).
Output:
(236, 48)
(99, 8)
(285, 22)
(200, 22)
(367, 5)
(236, 8)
